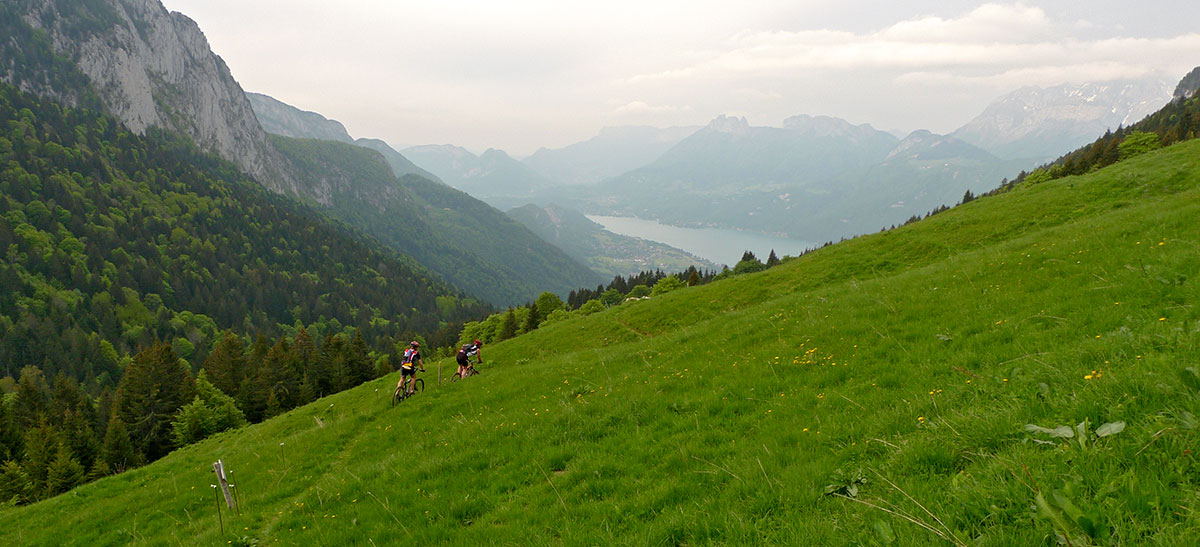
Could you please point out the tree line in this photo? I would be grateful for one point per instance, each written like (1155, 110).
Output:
(549, 307)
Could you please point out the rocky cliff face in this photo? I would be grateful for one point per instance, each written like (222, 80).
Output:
(283, 119)
(152, 68)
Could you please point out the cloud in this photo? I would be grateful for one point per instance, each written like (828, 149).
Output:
(990, 41)
(642, 108)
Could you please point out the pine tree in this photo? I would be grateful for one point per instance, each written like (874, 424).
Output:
(15, 486)
(772, 260)
(118, 452)
(693, 279)
(41, 444)
(308, 389)
(155, 386)
(508, 327)
(226, 364)
(359, 360)
(532, 320)
(80, 437)
(64, 472)
(304, 358)
(98, 470)
(31, 402)
(334, 355)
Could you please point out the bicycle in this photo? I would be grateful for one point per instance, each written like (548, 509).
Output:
(398, 396)
(471, 371)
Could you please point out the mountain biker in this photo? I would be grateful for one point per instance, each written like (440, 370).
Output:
(412, 357)
(464, 357)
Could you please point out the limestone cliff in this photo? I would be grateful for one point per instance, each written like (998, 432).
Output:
(153, 68)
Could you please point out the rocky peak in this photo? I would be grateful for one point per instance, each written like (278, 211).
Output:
(923, 144)
(827, 126)
(1188, 85)
(726, 124)
(153, 68)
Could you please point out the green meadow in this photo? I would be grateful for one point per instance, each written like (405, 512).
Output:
(1020, 370)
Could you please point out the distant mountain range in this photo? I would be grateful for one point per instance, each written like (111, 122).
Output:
(603, 251)
(816, 178)
(1044, 123)
(613, 151)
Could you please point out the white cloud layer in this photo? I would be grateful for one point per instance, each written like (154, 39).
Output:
(520, 75)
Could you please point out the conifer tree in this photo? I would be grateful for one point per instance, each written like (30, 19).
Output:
(772, 260)
(155, 386)
(119, 453)
(508, 327)
(31, 402)
(693, 279)
(80, 438)
(226, 364)
(308, 389)
(359, 360)
(532, 320)
(334, 355)
(15, 486)
(98, 470)
(41, 445)
(64, 472)
(304, 358)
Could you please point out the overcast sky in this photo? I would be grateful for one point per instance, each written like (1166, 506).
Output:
(518, 75)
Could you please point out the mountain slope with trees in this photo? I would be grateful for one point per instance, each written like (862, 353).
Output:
(115, 240)
(475, 246)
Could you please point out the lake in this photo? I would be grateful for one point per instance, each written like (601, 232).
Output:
(716, 244)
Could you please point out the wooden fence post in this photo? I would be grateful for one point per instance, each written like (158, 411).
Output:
(219, 467)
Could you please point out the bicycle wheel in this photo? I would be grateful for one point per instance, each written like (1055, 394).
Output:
(397, 395)
(455, 377)
(418, 386)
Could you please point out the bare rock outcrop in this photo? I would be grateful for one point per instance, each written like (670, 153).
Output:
(154, 68)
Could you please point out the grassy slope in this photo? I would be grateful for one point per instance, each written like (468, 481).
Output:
(718, 414)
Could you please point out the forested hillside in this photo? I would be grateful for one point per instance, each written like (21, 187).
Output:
(473, 245)
(113, 240)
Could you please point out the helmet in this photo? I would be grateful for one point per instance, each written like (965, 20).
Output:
(478, 343)
(415, 344)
